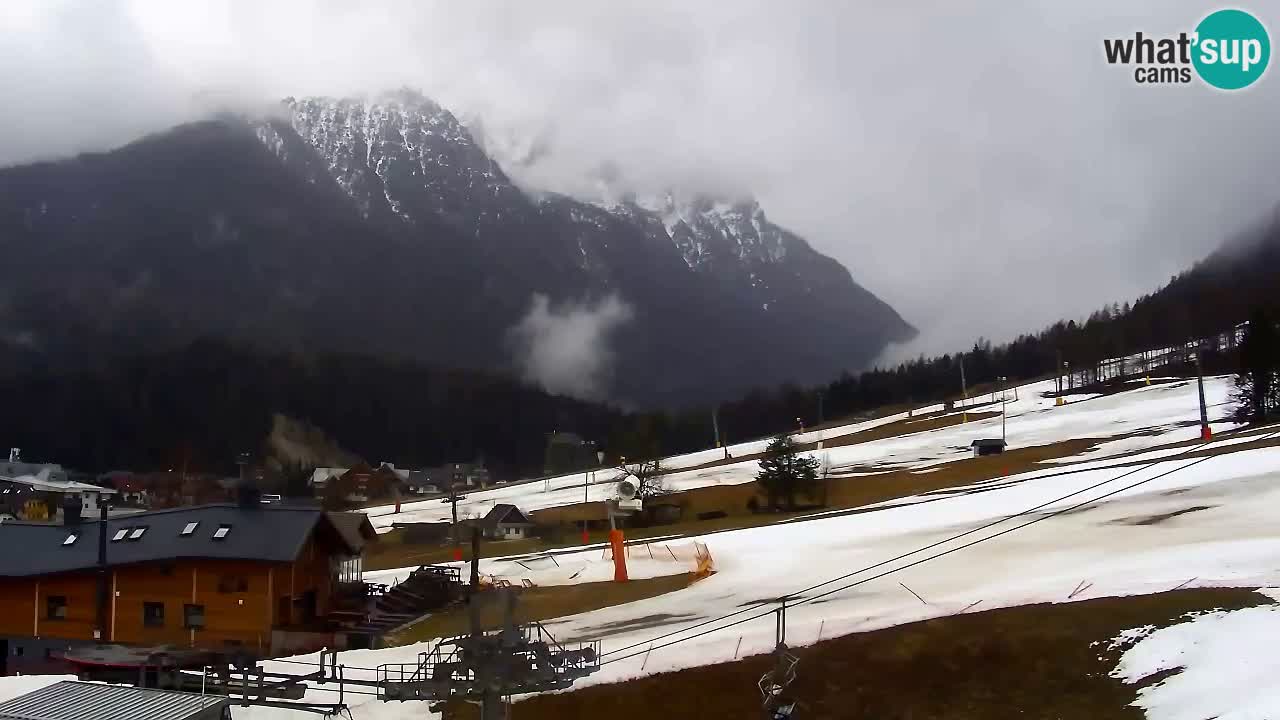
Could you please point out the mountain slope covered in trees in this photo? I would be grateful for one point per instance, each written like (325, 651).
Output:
(207, 402)
(1219, 292)
(381, 227)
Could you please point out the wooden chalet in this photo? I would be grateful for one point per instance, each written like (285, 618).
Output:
(261, 578)
(358, 485)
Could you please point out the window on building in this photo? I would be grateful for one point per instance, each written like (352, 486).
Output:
(221, 532)
(350, 570)
(119, 535)
(137, 532)
(193, 617)
(190, 528)
(56, 607)
(71, 539)
(233, 584)
(153, 614)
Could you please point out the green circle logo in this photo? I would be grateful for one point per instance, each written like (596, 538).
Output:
(1231, 49)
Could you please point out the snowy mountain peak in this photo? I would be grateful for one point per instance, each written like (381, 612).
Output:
(709, 229)
(397, 152)
(403, 155)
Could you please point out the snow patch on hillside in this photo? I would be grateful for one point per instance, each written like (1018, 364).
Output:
(1224, 666)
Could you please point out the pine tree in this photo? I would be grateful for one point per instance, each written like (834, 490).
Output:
(1258, 381)
(785, 473)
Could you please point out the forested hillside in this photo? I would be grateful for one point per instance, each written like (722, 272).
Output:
(209, 401)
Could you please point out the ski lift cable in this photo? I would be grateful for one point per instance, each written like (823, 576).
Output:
(944, 541)
(648, 644)
(1006, 531)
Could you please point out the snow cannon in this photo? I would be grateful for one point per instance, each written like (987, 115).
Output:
(628, 495)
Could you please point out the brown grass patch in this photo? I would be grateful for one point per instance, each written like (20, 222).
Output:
(907, 426)
(1034, 661)
(391, 551)
(543, 603)
(841, 493)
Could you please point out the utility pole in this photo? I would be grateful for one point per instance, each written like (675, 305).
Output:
(1003, 405)
(453, 529)
(1059, 366)
(715, 425)
(475, 559)
(964, 393)
(1205, 432)
(100, 632)
(586, 476)
(242, 460)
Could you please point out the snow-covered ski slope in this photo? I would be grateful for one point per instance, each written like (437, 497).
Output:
(1191, 522)
(1131, 543)
(1165, 412)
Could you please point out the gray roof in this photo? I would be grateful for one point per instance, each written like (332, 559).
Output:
(71, 700)
(505, 514)
(355, 528)
(273, 533)
(44, 483)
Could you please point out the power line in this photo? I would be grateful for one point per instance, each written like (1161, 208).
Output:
(312, 664)
(708, 631)
(1006, 531)
(650, 647)
(907, 554)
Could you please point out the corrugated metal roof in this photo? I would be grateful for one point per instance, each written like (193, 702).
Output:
(72, 700)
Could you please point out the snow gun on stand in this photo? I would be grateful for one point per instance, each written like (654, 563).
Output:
(626, 503)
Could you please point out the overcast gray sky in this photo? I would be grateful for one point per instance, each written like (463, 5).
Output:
(976, 164)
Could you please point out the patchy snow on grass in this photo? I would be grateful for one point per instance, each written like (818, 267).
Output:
(1162, 413)
(1193, 523)
(1271, 592)
(1113, 546)
(1224, 665)
(1129, 637)
(572, 567)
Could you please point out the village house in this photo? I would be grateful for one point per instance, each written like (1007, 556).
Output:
(420, 482)
(41, 497)
(15, 466)
(321, 476)
(505, 522)
(469, 475)
(359, 485)
(261, 578)
(171, 489)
